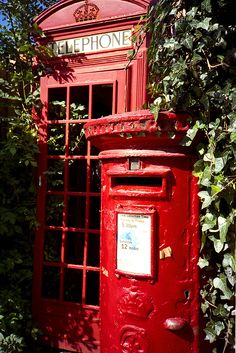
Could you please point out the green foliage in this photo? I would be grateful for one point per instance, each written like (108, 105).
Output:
(58, 109)
(17, 219)
(18, 153)
(192, 59)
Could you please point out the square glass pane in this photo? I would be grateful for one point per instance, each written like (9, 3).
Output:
(73, 280)
(93, 255)
(92, 288)
(77, 175)
(77, 140)
(95, 175)
(52, 246)
(94, 217)
(51, 282)
(55, 175)
(79, 101)
(100, 106)
(74, 251)
(57, 103)
(56, 139)
(76, 211)
(94, 151)
(54, 209)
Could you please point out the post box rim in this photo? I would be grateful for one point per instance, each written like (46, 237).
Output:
(139, 114)
(138, 130)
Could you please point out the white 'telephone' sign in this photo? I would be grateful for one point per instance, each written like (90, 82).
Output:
(93, 43)
(134, 243)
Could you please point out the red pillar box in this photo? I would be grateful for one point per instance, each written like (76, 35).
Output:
(150, 234)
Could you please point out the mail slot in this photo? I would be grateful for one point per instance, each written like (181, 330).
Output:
(149, 235)
(136, 183)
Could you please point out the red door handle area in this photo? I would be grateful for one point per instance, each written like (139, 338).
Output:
(175, 323)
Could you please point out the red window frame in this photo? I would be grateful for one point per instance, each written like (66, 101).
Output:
(54, 311)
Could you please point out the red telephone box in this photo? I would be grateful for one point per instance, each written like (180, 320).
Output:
(89, 76)
(149, 235)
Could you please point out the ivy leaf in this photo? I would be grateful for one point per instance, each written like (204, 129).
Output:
(233, 136)
(188, 43)
(215, 189)
(210, 332)
(208, 221)
(196, 58)
(220, 283)
(171, 43)
(206, 5)
(204, 307)
(220, 310)
(204, 195)
(219, 327)
(12, 150)
(218, 244)
(230, 276)
(204, 24)
(208, 157)
(192, 13)
(191, 133)
(223, 228)
(203, 262)
(206, 177)
(219, 164)
(198, 168)
(229, 260)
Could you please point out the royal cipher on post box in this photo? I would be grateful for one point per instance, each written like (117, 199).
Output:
(149, 234)
(89, 75)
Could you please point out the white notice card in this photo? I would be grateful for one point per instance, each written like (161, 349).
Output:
(134, 243)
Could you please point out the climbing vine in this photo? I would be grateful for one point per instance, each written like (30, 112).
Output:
(192, 63)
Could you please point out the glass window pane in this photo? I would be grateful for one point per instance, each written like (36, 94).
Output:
(95, 175)
(76, 212)
(73, 285)
(94, 151)
(51, 282)
(57, 103)
(52, 246)
(77, 175)
(93, 256)
(94, 219)
(79, 101)
(92, 286)
(78, 143)
(55, 175)
(56, 139)
(54, 208)
(74, 251)
(102, 100)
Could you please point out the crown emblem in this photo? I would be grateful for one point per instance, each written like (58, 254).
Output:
(86, 12)
(136, 303)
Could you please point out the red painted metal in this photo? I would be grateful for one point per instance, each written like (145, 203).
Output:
(66, 260)
(149, 234)
(61, 15)
(175, 323)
